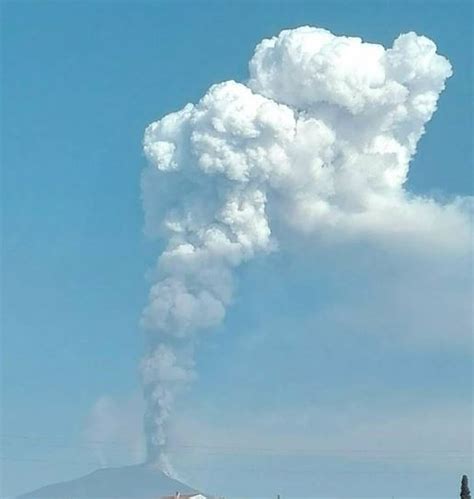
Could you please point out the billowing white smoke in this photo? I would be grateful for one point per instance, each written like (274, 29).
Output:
(319, 138)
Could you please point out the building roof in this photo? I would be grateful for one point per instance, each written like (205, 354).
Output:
(185, 496)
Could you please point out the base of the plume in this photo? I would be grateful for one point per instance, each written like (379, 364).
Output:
(159, 460)
(142, 481)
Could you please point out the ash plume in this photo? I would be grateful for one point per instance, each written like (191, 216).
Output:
(320, 139)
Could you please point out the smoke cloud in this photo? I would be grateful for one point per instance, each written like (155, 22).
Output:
(114, 430)
(318, 140)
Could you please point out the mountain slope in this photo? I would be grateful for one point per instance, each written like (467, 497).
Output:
(128, 482)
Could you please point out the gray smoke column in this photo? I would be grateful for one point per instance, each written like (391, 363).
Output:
(320, 138)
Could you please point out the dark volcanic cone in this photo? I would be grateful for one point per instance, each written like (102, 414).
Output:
(128, 482)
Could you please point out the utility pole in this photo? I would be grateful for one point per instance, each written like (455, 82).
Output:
(465, 492)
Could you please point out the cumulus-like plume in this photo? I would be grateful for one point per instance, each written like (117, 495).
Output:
(320, 138)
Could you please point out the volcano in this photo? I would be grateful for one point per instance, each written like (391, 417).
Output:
(128, 482)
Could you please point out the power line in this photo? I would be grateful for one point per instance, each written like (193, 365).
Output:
(220, 449)
(255, 469)
(48, 461)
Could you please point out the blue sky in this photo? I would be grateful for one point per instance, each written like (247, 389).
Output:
(81, 81)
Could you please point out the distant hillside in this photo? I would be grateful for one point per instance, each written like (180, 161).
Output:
(128, 482)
